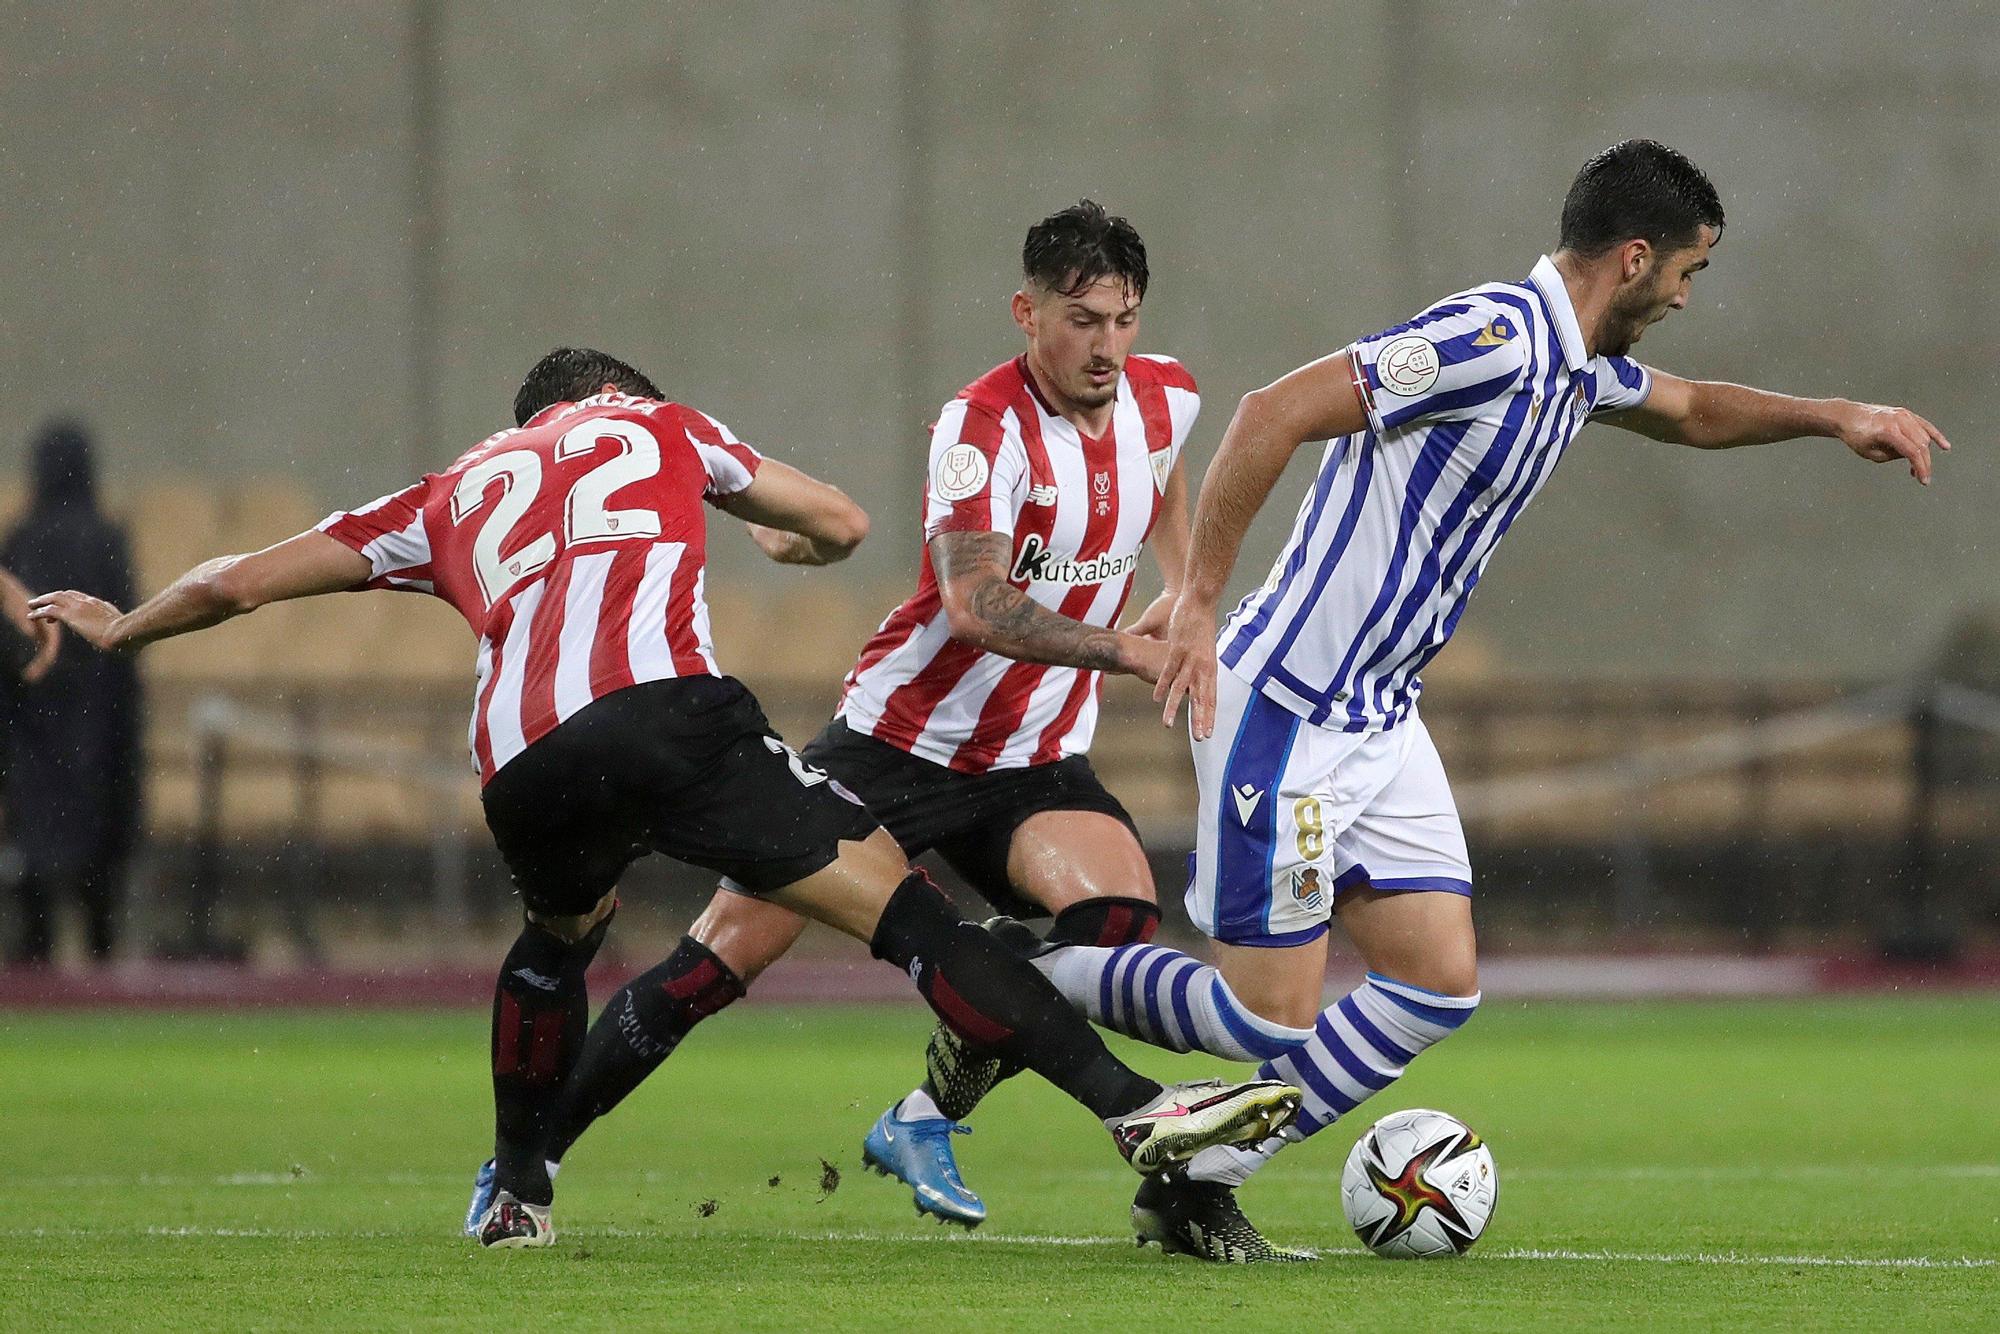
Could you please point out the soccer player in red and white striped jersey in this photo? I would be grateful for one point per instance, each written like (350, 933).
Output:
(965, 723)
(602, 597)
(573, 546)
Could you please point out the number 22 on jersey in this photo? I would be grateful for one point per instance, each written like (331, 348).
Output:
(586, 515)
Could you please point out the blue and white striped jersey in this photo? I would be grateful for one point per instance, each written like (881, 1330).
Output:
(1469, 406)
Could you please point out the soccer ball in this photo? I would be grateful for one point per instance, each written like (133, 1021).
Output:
(1419, 1184)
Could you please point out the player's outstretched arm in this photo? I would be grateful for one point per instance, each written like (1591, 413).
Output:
(984, 609)
(798, 519)
(1315, 402)
(44, 638)
(1710, 414)
(211, 593)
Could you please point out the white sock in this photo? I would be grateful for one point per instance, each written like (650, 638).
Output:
(918, 1107)
(1361, 1044)
(1167, 998)
(1233, 1166)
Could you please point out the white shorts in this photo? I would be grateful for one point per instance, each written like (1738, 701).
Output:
(1292, 814)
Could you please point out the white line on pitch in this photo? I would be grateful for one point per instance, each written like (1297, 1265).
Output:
(1514, 1253)
(1734, 1258)
(1006, 1239)
(1663, 1172)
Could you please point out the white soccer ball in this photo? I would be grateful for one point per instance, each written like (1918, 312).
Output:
(1419, 1184)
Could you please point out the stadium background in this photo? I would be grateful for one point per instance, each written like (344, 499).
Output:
(284, 258)
(1721, 726)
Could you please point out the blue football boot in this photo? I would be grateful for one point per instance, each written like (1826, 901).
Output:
(482, 1198)
(918, 1154)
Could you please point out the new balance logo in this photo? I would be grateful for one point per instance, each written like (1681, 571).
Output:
(1042, 495)
(536, 980)
(1247, 798)
(917, 970)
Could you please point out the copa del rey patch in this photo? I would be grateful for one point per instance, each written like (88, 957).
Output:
(1407, 366)
(960, 472)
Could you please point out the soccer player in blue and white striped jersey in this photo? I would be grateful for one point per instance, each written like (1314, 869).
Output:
(1321, 794)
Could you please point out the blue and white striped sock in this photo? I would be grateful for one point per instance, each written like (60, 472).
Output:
(1361, 1045)
(1167, 998)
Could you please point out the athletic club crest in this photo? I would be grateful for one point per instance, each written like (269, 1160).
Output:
(1162, 466)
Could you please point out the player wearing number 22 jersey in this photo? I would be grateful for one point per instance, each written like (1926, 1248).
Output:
(573, 545)
(615, 602)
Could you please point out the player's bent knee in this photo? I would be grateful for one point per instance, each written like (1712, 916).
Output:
(572, 929)
(1446, 978)
(745, 933)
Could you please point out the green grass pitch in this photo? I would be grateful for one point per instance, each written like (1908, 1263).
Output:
(1798, 1165)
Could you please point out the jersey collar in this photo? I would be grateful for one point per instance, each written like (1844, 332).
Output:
(1548, 280)
(1048, 409)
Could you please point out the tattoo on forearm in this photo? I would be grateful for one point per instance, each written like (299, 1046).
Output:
(1018, 626)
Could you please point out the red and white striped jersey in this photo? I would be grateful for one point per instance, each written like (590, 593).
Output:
(573, 546)
(1079, 511)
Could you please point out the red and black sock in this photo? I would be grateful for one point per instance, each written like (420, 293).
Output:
(641, 1025)
(1104, 921)
(998, 1001)
(540, 1011)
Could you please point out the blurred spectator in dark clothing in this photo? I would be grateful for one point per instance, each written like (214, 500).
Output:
(72, 786)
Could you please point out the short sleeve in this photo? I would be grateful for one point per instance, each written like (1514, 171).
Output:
(731, 465)
(977, 471)
(1447, 364)
(1621, 383)
(390, 532)
(1178, 399)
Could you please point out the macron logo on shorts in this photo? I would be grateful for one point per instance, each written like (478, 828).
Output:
(1247, 798)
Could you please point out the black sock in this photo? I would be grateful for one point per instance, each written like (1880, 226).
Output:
(998, 1001)
(641, 1025)
(540, 1010)
(1106, 922)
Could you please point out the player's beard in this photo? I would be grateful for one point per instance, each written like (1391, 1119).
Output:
(1088, 395)
(1624, 328)
(1627, 320)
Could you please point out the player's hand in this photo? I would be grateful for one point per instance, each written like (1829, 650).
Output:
(90, 618)
(786, 548)
(1152, 622)
(45, 637)
(1143, 658)
(1883, 434)
(48, 642)
(1190, 667)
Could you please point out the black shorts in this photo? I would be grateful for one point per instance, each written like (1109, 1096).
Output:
(687, 767)
(968, 819)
